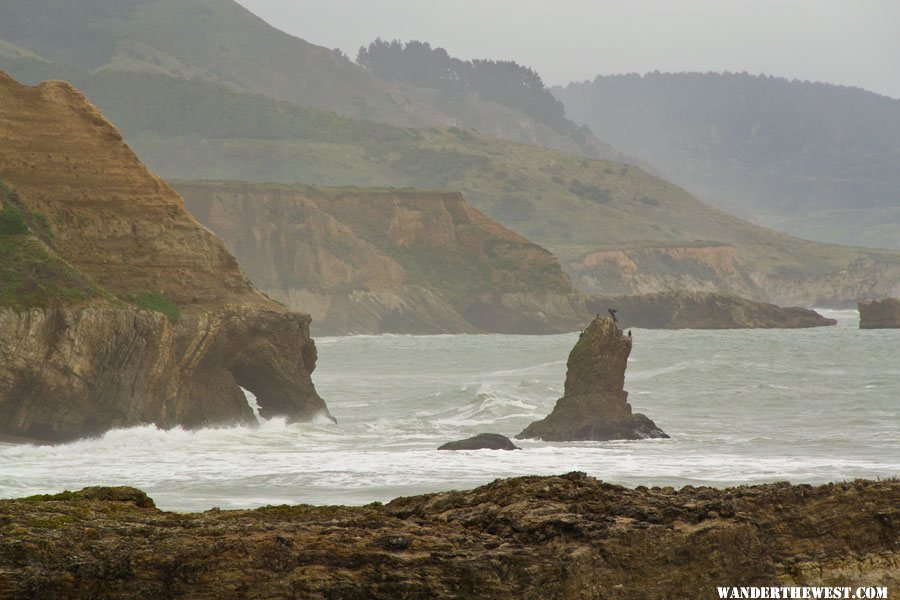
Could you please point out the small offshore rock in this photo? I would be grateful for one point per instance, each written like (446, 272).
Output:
(482, 441)
(880, 314)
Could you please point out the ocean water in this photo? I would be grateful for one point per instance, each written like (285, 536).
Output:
(742, 406)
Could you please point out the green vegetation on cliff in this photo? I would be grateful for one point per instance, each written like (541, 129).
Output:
(32, 275)
(192, 116)
(160, 303)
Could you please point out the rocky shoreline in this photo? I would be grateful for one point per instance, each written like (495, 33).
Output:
(570, 536)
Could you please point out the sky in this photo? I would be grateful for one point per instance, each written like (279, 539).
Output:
(846, 42)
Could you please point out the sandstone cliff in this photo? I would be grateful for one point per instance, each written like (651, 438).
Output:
(410, 261)
(703, 310)
(568, 537)
(389, 260)
(86, 362)
(642, 270)
(635, 269)
(880, 314)
(595, 403)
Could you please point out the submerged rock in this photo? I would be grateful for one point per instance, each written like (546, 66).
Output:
(880, 314)
(595, 404)
(482, 441)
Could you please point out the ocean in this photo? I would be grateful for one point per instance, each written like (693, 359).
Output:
(742, 407)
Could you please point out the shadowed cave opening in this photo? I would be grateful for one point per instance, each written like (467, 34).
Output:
(269, 394)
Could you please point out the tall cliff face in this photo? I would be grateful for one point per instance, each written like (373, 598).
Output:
(79, 364)
(371, 261)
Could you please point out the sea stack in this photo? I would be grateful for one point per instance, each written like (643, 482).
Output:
(880, 314)
(595, 404)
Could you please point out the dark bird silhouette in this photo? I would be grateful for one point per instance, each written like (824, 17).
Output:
(612, 312)
(629, 333)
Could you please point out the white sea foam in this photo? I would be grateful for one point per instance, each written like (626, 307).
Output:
(741, 406)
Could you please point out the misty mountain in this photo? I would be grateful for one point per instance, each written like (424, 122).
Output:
(815, 160)
(615, 227)
(220, 41)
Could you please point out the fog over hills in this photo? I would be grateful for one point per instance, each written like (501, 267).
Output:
(221, 41)
(815, 160)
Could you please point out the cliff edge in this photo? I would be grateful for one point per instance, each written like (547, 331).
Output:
(595, 403)
(371, 260)
(162, 327)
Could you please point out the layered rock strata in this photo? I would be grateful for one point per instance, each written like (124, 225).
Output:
(413, 261)
(533, 537)
(78, 367)
(880, 314)
(387, 260)
(595, 404)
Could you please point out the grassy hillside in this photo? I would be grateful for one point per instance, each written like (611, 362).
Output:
(32, 275)
(220, 41)
(816, 160)
(568, 204)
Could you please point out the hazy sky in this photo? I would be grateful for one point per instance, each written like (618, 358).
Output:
(850, 42)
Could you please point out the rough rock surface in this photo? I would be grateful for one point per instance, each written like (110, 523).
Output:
(79, 369)
(595, 404)
(568, 537)
(880, 314)
(69, 373)
(482, 441)
(703, 310)
(387, 260)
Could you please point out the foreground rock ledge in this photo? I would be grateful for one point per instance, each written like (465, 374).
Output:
(533, 537)
(595, 404)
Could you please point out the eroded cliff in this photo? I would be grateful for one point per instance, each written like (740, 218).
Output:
(533, 537)
(77, 364)
(373, 261)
